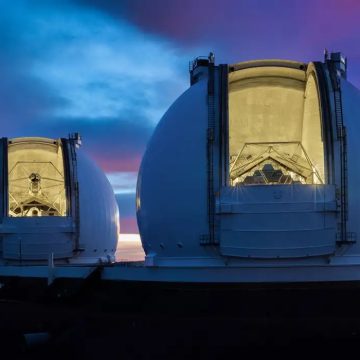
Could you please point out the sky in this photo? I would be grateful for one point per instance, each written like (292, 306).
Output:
(109, 69)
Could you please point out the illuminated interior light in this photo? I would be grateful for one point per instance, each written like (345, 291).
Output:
(274, 127)
(36, 178)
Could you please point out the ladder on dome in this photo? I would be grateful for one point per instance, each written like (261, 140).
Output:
(210, 151)
(343, 236)
(74, 141)
(209, 238)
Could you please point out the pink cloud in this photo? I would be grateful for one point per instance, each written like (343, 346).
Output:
(116, 162)
(128, 225)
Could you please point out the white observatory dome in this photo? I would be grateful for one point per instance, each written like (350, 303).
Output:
(55, 203)
(255, 160)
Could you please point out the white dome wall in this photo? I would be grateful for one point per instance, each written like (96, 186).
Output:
(351, 113)
(172, 182)
(99, 213)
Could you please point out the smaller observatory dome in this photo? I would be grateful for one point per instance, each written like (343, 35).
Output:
(56, 202)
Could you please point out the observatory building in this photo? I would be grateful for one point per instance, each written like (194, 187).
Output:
(55, 202)
(251, 176)
(255, 164)
(248, 206)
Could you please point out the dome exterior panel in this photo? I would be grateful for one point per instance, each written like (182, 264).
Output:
(351, 111)
(99, 214)
(172, 189)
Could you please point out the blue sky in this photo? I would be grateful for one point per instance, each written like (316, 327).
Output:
(110, 69)
(66, 67)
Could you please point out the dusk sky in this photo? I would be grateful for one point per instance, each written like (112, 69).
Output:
(110, 69)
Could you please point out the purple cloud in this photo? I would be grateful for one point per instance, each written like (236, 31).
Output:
(249, 29)
(109, 69)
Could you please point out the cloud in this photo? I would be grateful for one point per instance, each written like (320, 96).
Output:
(100, 67)
(109, 69)
(64, 61)
(249, 29)
(68, 67)
(228, 26)
(126, 203)
(123, 182)
(116, 144)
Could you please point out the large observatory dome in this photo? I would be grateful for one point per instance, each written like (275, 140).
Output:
(55, 203)
(255, 160)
